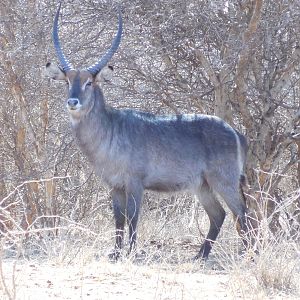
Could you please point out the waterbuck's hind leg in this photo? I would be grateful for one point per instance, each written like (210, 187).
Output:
(216, 216)
(230, 192)
(119, 208)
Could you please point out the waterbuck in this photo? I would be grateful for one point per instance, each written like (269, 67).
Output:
(133, 151)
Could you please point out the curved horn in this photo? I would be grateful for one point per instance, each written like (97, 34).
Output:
(94, 69)
(65, 64)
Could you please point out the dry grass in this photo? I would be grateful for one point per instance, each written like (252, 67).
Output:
(74, 264)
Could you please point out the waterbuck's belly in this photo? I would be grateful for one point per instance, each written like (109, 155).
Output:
(173, 180)
(166, 186)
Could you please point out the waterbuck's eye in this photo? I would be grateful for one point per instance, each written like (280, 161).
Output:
(67, 82)
(89, 83)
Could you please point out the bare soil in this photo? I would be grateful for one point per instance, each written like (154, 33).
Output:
(124, 280)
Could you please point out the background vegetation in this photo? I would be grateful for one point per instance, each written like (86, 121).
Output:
(237, 59)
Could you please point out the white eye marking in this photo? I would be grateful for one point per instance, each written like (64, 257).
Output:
(69, 83)
(87, 83)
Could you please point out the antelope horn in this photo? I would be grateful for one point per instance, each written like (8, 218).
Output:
(94, 69)
(65, 64)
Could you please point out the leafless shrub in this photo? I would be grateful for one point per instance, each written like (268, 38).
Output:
(235, 59)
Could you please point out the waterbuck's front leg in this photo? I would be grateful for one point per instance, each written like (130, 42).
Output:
(134, 195)
(119, 207)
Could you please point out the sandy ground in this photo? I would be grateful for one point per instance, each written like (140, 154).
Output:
(124, 280)
(104, 280)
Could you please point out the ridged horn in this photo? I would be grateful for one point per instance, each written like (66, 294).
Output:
(65, 64)
(96, 68)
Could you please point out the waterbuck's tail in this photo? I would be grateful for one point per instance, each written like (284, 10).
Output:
(243, 180)
(242, 148)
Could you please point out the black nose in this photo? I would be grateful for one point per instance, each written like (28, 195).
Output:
(73, 102)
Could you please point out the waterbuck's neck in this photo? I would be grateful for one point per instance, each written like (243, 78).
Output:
(93, 129)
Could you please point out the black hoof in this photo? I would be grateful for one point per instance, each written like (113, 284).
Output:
(199, 257)
(114, 256)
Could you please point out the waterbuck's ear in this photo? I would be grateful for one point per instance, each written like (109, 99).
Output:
(105, 74)
(55, 72)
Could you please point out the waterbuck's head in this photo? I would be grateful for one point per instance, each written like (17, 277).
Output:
(81, 83)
